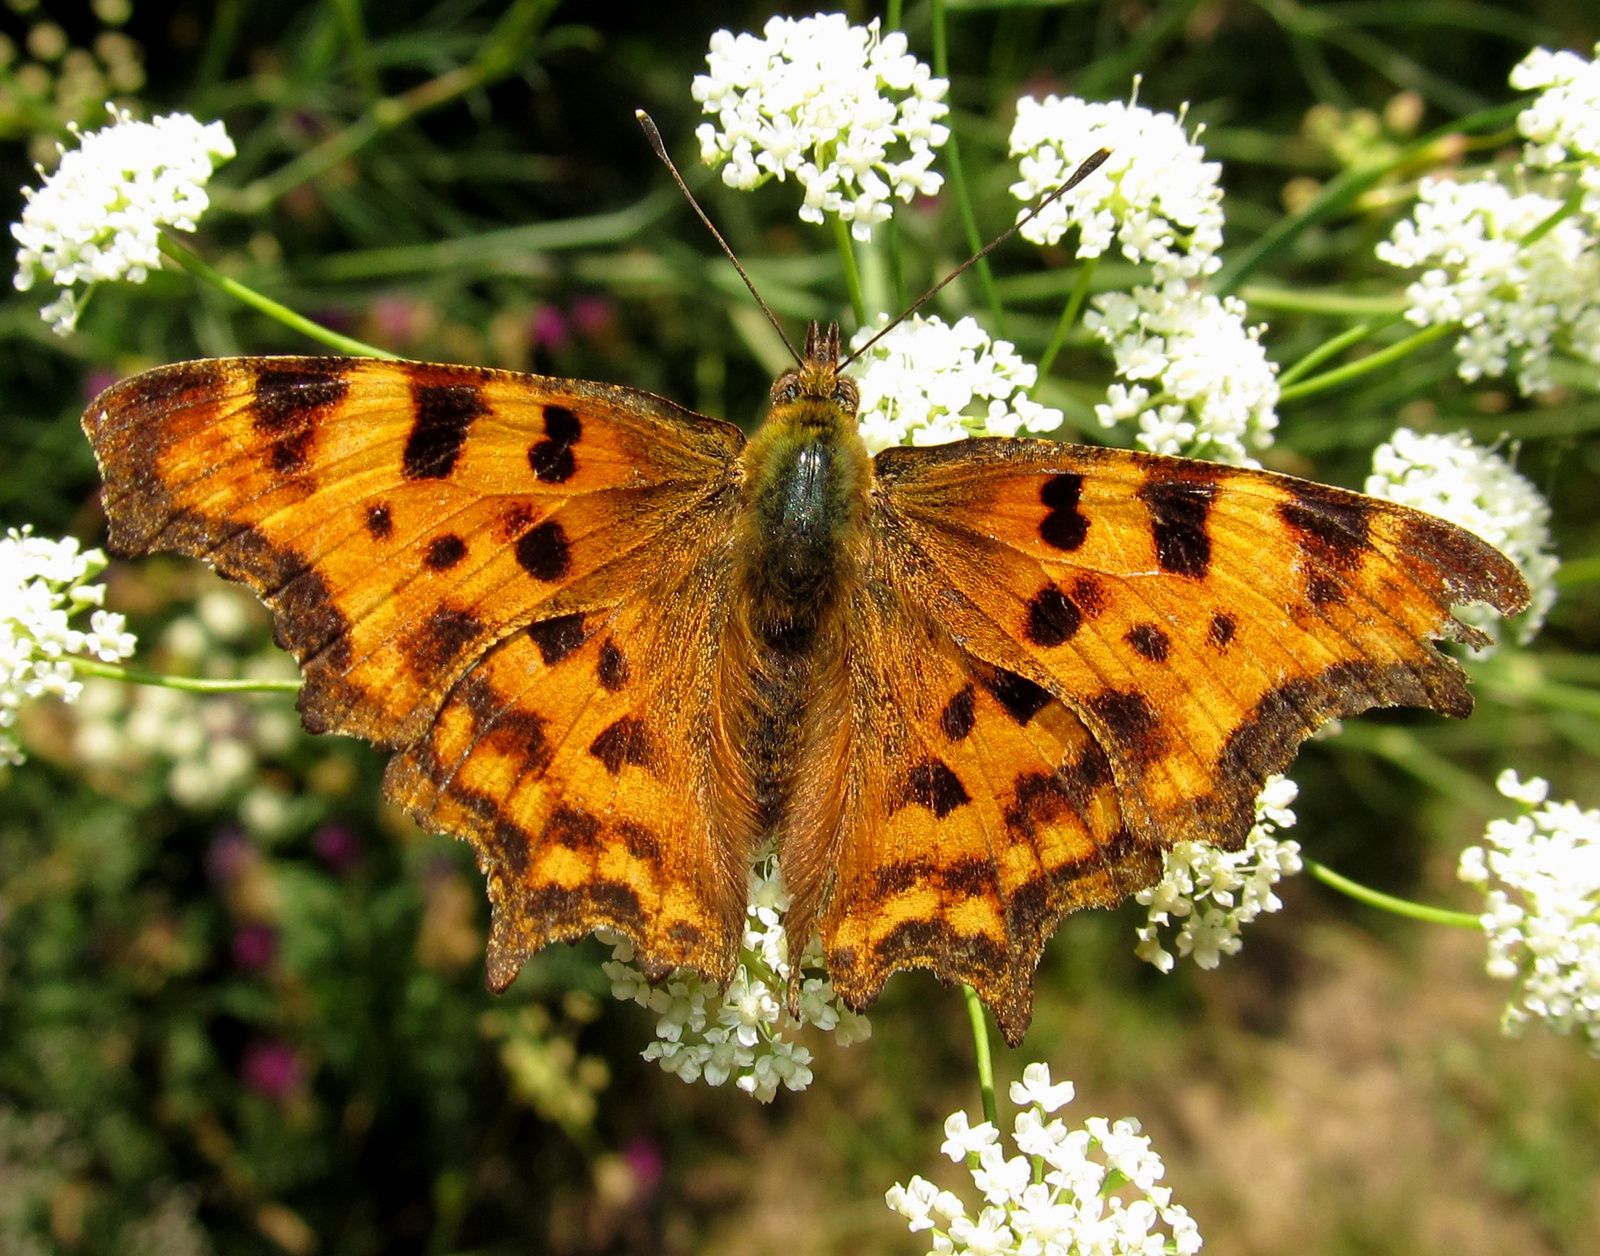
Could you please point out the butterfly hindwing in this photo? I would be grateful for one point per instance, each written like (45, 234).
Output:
(469, 566)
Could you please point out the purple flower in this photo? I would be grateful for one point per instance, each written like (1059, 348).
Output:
(643, 1159)
(255, 946)
(337, 847)
(271, 1069)
(230, 854)
(593, 315)
(96, 382)
(548, 329)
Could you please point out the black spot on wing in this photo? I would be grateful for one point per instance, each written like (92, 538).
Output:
(543, 552)
(1132, 722)
(288, 455)
(1223, 628)
(1330, 527)
(576, 830)
(1150, 641)
(551, 458)
(558, 637)
(612, 670)
(625, 742)
(933, 785)
(443, 413)
(957, 717)
(1021, 698)
(445, 552)
(380, 527)
(1065, 527)
(1178, 520)
(1053, 618)
(445, 634)
(291, 398)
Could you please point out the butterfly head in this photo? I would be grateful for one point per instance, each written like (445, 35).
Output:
(817, 378)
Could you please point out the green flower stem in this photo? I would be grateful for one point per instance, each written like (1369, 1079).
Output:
(1565, 210)
(501, 52)
(985, 1061)
(1399, 906)
(1354, 370)
(891, 16)
(1069, 315)
(1333, 347)
(852, 275)
(958, 181)
(194, 684)
(297, 322)
(1344, 190)
(1312, 301)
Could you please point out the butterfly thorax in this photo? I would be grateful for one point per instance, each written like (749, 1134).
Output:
(807, 475)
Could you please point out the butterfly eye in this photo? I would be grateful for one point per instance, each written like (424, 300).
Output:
(790, 391)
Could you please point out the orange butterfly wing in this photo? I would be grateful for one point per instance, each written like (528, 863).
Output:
(1191, 624)
(471, 566)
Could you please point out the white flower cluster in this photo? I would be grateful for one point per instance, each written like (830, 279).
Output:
(1517, 267)
(43, 585)
(852, 116)
(1215, 893)
(1059, 1196)
(1212, 390)
(921, 383)
(1478, 490)
(211, 745)
(743, 1032)
(1563, 123)
(1156, 195)
(1517, 295)
(99, 215)
(1541, 875)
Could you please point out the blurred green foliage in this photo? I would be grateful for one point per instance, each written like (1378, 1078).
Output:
(257, 1022)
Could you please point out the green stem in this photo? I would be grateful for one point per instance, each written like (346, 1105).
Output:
(958, 180)
(1354, 370)
(1341, 191)
(1069, 315)
(1565, 210)
(1333, 347)
(852, 276)
(891, 17)
(985, 1061)
(1312, 301)
(194, 684)
(1399, 906)
(296, 322)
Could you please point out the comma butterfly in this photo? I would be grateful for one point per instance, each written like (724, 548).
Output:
(615, 645)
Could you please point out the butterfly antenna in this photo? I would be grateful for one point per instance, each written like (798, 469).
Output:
(654, 136)
(1090, 164)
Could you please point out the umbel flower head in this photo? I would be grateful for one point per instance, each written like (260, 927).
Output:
(1092, 1191)
(1563, 123)
(1540, 873)
(705, 1033)
(1156, 196)
(99, 215)
(44, 584)
(928, 383)
(1476, 488)
(851, 115)
(1211, 894)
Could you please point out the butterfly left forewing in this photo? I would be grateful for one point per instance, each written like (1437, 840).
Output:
(397, 517)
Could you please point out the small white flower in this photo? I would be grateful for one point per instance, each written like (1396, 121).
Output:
(850, 114)
(1540, 874)
(1517, 298)
(930, 383)
(1213, 391)
(1212, 894)
(1100, 1197)
(1477, 489)
(1563, 123)
(742, 1033)
(1156, 195)
(44, 584)
(1035, 1089)
(99, 215)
